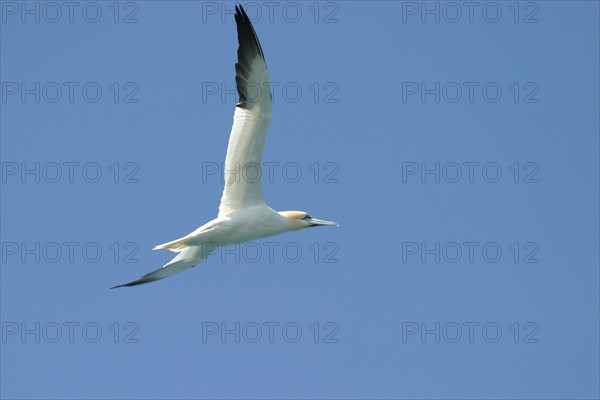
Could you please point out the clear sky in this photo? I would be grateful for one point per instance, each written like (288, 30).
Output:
(456, 144)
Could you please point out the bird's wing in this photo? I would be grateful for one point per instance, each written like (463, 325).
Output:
(187, 258)
(250, 122)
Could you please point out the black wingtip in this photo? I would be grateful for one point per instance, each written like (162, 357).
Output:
(144, 279)
(125, 285)
(247, 38)
(248, 50)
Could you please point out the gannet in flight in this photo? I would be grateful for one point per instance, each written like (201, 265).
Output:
(243, 214)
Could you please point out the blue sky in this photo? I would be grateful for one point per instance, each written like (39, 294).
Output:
(457, 146)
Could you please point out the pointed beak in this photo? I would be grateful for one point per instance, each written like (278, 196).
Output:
(320, 222)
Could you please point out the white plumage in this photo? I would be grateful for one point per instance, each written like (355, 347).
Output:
(243, 214)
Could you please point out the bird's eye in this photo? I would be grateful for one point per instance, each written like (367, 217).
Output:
(307, 217)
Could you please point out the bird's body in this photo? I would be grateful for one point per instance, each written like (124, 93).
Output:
(237, 227)
(243, 213)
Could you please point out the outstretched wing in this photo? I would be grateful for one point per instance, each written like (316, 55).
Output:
(185, 259)
(251, 120)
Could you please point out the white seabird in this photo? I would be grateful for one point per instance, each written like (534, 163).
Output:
(243, 214)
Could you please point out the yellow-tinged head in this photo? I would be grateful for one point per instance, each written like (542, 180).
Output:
(301, 219)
